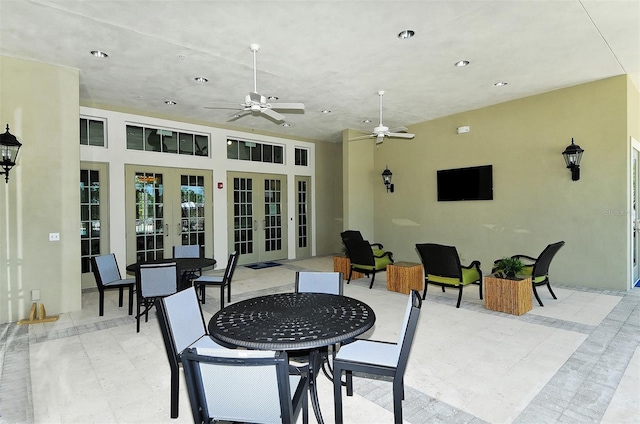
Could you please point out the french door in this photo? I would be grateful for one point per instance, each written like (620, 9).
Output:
(257, 205)
(167, 207)
(303, 217)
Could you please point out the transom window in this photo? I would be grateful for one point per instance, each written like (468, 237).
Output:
(302, 157)
(92, 132)
(167, 141)
(253, 151)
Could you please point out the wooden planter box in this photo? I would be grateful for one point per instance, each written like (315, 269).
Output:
(343, 264)
(510, 296)
(402, 277)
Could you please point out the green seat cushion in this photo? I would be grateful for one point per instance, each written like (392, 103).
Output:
(469, 275)
(381, 263)
(527, 271)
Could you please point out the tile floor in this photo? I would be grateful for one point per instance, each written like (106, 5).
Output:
(575, 360)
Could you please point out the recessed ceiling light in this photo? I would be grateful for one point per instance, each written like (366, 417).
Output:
(272, 98)
(100, 54)
(286, 124)
(201, 79)
(326, 111)
(170, 102)
(462, 63)
(407, 33)
(500, 84)
(366, 121)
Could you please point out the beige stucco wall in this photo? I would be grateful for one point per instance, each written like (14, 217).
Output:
(328, 197)
(535, 201)
(40, 104)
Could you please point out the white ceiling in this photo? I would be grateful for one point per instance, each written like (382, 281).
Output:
(331, 55)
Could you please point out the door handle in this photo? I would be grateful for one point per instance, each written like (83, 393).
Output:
(179, 228)
(264, 224)
(255, 225)
(166, 230)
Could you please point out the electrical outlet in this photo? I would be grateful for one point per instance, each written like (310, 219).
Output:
(54, 236)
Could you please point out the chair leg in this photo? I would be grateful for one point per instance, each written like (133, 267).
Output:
(202, 293)
(424, 292)
(398, 395)
(551, 291)
(101, 303)
(535, 292)
(175, 391)
(130, 300)
(229, 291)
(373, 277)
(120, 296)
(138, 317)
(350, 272)
(459, 296)
(221, 297)
(349, 378)
(480, 284)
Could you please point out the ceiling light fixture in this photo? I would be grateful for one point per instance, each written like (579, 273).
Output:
(366, 121)
(286, 124)
(272, 98)
(201, 79)
(100, 54)
(406, 34)
(326, 111)
(170, 102)
(462, 63)
(501, 84)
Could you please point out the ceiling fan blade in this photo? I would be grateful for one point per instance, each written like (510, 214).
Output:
(238, 114)
(289, 106)
(399, 130)
(272, 114)
(361, 137)
(401, 135)
(221, 107)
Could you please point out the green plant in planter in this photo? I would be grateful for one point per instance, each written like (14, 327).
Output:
(508, 267)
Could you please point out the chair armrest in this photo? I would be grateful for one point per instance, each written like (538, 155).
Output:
(377, 245)
(474, 264)
(389, 254)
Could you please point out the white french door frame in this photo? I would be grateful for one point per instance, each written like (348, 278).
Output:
(634, 218)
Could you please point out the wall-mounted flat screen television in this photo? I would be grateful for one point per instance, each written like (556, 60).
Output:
(474, 183)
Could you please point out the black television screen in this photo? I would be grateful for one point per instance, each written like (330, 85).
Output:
(475, 183)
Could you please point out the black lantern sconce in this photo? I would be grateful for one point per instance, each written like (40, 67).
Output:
(386, 178)
(572, 157)
(9, 146)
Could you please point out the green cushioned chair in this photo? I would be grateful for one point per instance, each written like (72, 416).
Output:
(539, 268)
(442, 267)
(378, 248)
(363, 259)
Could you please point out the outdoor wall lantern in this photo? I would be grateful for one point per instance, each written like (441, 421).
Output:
(572, 156)
(9, 146)
(386, 178)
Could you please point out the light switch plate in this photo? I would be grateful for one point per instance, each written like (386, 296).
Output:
(54, 236)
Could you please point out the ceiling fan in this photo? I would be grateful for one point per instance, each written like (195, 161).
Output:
(380, 132)
(257, 104)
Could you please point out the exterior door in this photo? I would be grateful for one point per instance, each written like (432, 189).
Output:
(94, 230)
(167, 207)
(303, 217)
(257, 205)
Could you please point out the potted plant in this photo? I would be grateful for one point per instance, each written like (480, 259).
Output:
(508, 268)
